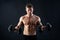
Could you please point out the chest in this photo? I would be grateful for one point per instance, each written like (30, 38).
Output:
(31, 20)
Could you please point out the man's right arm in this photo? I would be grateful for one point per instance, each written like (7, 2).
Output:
(19, 24)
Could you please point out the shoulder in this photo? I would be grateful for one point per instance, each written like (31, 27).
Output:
(38, 17)
(22, 17)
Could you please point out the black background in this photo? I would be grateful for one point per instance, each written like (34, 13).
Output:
(11, 10)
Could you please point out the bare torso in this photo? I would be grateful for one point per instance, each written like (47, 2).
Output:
(30, 25)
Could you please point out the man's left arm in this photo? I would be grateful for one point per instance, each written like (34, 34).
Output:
(42, 27)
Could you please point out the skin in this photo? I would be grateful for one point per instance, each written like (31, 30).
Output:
(30, 22)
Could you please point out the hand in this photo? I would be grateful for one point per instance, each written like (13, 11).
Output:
(43, 28)
(16, 29)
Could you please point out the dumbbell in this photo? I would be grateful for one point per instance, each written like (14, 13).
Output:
(47, 27)
(11, 28)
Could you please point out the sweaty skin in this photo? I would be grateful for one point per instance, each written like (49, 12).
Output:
(30, 24)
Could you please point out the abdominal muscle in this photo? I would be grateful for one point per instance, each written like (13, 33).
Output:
(29, 30)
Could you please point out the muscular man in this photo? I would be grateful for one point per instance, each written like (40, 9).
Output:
(30, 22)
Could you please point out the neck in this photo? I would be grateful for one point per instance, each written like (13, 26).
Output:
(29, 15)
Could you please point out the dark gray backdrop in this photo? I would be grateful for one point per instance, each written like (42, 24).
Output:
(11, 10)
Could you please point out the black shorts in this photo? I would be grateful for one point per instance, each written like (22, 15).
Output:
(28, 37)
